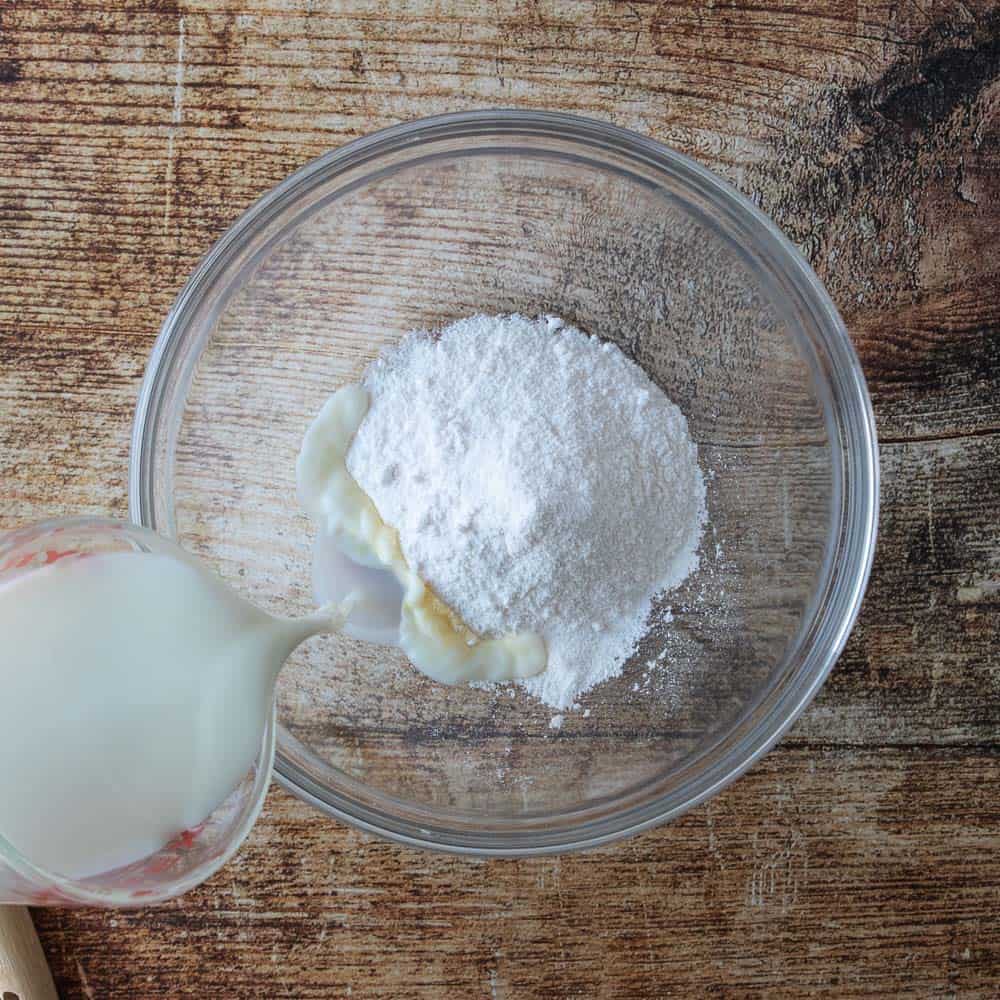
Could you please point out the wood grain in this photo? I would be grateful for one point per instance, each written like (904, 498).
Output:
(832, 872)
(860, 858)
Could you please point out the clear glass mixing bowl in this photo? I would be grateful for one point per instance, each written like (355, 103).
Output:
(534, 213)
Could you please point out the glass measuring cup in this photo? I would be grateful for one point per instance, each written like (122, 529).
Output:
(193, 855)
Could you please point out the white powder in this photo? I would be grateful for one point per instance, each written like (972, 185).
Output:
(538, 481)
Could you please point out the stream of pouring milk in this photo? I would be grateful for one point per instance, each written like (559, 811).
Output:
(135, 692)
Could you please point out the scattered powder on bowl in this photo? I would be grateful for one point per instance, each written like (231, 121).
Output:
(538, 481)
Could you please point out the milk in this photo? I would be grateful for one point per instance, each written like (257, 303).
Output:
(355, 547)
(135, 689)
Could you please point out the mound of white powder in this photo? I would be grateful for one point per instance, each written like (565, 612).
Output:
(538, 481)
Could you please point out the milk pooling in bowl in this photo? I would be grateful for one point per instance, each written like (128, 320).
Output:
(136, 690)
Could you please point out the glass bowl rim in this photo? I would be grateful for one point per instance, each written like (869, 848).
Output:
(845, 576)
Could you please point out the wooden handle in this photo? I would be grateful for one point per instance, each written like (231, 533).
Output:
(24, 973)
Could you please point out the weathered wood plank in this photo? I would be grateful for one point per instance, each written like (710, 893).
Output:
(837, 873)
(857, 860)
(922, 663)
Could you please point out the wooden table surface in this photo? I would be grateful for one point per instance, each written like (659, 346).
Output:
(860, 858)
